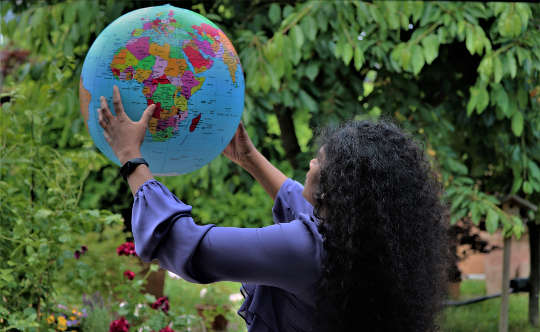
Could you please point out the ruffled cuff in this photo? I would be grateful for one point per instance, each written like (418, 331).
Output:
(289, 202)
(163, 229)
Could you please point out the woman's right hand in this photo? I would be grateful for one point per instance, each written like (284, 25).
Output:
(240, 149)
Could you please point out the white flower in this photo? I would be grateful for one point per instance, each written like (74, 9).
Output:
(137, 307)
(235, 297)
(203, 292)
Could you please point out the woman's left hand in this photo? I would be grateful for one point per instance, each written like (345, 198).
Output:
(123, 135)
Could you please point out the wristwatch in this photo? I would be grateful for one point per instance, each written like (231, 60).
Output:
(130, 166)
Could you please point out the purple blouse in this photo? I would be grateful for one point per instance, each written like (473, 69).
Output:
(278, 265)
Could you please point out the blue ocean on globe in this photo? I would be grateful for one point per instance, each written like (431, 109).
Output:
(183, 63)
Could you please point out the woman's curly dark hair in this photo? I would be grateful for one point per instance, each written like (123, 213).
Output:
(384, 230)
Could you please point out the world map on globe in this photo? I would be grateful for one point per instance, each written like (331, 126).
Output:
(181, 62)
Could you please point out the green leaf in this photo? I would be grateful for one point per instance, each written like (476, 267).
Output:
(475, 213)
(417, 58)
(479, 39)
(457, 216)
(358, 58)
(42, 214)
(431, 48)
(517, 123)
(287, 98)
(347, 53)
(471, 105)
(274, 13)
(518, 227)
(456, 202)
(149, 298)
(64, 238)
(509, 24)
(482, 100)
(309, 26)
(376, 15)
(486, 67)
(511, 64)
(470, 37)
(297, 36)
(368, 83)
(492, 221)
(516, 185)
(497, 69)
(312, 70)
(307, 101)
(522, 55)
(457, 167)
(501, 98)
(533, 169)
(527, 188)
(395, 55)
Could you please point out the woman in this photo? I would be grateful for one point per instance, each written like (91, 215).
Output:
(361, 247)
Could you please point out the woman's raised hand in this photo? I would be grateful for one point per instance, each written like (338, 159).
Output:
(123, 135)
(240, 148)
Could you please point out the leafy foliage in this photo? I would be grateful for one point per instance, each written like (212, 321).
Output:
(462, 77)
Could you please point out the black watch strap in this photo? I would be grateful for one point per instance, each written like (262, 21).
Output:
(130, 166)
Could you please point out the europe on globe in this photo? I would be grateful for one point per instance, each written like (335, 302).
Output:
(183, 63)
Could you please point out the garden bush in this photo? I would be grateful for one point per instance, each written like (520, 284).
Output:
(461, 77)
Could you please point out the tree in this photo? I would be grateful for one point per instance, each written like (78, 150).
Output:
(461, 77)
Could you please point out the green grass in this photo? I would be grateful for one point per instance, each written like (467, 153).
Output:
(477, 317)
(187, 295)
(484, 316)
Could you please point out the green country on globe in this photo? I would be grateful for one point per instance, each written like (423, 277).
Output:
(183, 63)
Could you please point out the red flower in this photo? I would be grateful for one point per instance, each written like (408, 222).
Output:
(166, 329)
(127, 249)
(161, 303)
(129, 274)
(77, 254)
(119, 325)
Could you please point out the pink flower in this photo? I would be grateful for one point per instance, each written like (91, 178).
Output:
(77, 254)
(84, 249)
(161, 303)
(129, 274)
(126, 249)
(119, 325)
(166, 329)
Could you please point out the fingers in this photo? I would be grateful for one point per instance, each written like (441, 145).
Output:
(147, 115)
(117, 102)
(107, 137)
(105, 109)
(101, 120)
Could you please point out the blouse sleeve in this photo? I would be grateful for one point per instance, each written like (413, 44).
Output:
(280, 255)
(289, 202)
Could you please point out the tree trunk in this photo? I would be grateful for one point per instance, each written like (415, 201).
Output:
(505, 298)
(534, 279)
(288, 134)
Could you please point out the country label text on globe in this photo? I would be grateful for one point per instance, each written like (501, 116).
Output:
(179, 61)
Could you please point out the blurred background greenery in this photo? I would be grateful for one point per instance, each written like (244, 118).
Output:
(462, 77)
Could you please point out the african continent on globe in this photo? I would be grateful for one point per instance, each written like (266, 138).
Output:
(183, 63)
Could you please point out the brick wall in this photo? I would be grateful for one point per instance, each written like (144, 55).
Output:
(491, 264)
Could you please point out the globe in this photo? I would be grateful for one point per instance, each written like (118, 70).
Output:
(178, 60)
